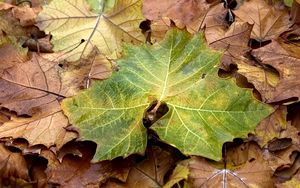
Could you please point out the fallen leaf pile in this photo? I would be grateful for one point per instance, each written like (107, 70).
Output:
(148, 93)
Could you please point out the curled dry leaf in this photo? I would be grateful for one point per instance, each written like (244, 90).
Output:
(269, 21)
(272, 126)
(26, 15)
(288, 66)
(292, 183)
(184, 13)
(254, 173)
(150, 172)
(76, 172)
(48, 130)
(11, 25)
(115, 23)
(181, 172)
(285, 157)
(262, 77)
(295, 12)
(34, 86)
(30, 87)
(11, 53)
(12, 165)
(233, 41)
(215, 23)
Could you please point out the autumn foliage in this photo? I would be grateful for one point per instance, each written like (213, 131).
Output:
(150, 93)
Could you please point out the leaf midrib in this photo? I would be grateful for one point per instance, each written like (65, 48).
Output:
(167, 72)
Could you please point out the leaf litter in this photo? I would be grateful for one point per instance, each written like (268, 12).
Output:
(41, 147)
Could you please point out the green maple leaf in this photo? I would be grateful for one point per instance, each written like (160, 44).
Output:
(79, 26)
(204, 110)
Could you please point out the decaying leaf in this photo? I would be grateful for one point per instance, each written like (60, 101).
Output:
(269, 21)
(234, 41)
(76, 172)
(114, 23)
(11, 53)
(33, 86)
(12, 165)
(204, 111)
(181, 172)
(287, 64)
(271, 127)
(292, 183)
(8, 23)
(48, 130)
(254, 173)
(152, 171)
(184, 13)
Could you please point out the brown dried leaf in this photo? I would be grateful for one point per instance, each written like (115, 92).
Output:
(11, 53)
(271, 126)
(151, 172)
(12, 165)
(26, 15)
(254, 173)
(233, 41)
(34, 86)
(9, 24)
(292, 183)
(295, 12)
(80, 172)
(269, 21)
(288, 67)
(184, 13)
(286, 157)
(48, 130)
(215, 23)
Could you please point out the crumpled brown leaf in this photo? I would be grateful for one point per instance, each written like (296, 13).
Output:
(287, 64)
(184, 13)
(11, 53)
(272, 126)
(294, 182)
(295, 12)
(284, 158)
(12, 165)
(269, 21)
(254, 173)
(48, 130)
(151, 172)
(75, 171)
(31, 87)
(233, 41)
